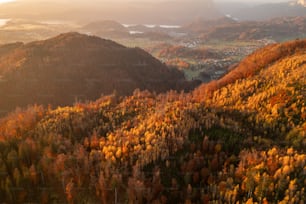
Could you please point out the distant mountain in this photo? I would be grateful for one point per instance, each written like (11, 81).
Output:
(270, 10)
(23, 30)
(106, 28)
(73, 67)
(202, 26)
(227, 8)
(277, 29)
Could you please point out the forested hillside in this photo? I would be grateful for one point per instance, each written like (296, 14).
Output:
(240, 139)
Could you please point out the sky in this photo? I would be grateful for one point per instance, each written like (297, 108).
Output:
(4, 1)
(253, 1)
(126, 11)
(267, 1)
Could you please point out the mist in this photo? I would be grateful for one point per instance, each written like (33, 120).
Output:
(169, 12)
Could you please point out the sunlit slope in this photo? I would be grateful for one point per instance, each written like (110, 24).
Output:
(268, 87)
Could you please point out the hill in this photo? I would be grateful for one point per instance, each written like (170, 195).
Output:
(72, 67)
(244, 142)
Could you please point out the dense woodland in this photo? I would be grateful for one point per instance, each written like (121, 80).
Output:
(241, 139)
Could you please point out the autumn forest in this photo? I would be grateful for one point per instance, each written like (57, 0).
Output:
(239, 139)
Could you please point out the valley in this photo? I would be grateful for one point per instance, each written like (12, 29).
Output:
(204, 49)
(173, 45)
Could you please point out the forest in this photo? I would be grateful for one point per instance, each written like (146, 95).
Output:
(240, 139)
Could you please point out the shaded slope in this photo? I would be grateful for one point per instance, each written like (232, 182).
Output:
(74, 67)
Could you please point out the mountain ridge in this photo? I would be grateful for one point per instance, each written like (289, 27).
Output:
(270, 10)
(277, 29)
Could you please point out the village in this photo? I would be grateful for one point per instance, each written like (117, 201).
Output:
(229, 54)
